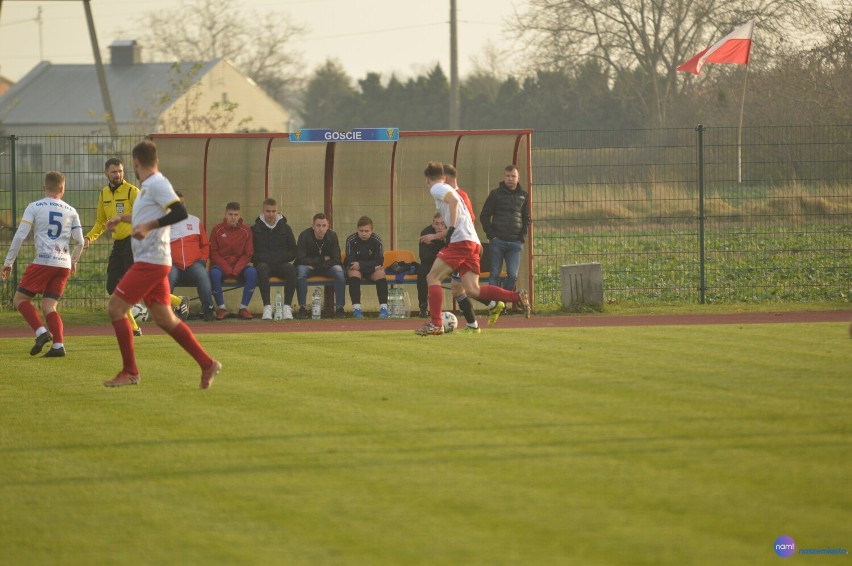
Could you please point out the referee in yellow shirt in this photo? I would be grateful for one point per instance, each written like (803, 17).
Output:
(117, 198)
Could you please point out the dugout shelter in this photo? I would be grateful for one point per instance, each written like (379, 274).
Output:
(343, 179)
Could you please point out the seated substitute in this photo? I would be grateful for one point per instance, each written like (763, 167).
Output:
(431, 242)
(231, 250)
(364, 260)
(274, 252)
(318, 253)
(190, 252)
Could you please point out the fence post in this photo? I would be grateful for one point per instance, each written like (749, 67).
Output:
(14, 170)
(702, 283)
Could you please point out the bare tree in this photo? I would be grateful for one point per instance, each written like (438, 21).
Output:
(639, 43)
(490, 68)
(831, 62)
(260, 45)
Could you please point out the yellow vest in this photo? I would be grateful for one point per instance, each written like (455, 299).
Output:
(112, 203)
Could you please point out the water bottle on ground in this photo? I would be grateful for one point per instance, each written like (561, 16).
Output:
(403, 303)
(278, 313)
(316, 304)
(395, 303)
(392, 303)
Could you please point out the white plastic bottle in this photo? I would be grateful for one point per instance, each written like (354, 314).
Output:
(403, 303)
(395, 300)
(279, 307)
(316, 304)
(392, 302)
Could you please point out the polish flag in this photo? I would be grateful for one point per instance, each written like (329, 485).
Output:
(733, 48)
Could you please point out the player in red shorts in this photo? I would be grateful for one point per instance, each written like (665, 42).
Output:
(156, 208)
(461, 254)
(54, 223)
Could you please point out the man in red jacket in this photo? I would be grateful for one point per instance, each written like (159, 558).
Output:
(190, 251)
(231, 248)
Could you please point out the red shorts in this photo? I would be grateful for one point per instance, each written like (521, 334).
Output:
(46, 280)
(462, 256)
(145, 281)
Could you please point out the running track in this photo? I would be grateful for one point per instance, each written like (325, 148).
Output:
(569, 321)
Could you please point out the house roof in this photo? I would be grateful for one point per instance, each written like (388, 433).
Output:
(70, 94)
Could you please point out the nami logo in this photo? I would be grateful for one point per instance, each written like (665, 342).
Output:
(785, 546)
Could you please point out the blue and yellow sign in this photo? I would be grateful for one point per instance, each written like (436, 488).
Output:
(357, 134)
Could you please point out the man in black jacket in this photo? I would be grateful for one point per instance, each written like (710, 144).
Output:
(274, 252)
(431, 242)
(505, 218)
(318, 253)
(365, 258)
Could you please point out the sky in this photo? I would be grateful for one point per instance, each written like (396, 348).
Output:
(404, 37)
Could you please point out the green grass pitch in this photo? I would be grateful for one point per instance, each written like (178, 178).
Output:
(642, 445)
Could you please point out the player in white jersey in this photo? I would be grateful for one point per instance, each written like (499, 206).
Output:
(54, 223)
(461, 254)
(156, 208)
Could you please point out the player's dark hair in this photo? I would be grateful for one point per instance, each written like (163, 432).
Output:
(365, 221)
(434, 170)
(450, 171)
(509, 168)
(112, 161)
(270, 202)
(232, 206)
(145, 152)
(319, 216)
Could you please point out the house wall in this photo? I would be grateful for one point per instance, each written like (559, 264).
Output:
(225, 83)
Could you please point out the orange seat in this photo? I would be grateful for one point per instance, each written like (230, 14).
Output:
(406, 256)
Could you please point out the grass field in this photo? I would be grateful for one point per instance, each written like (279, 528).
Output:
(648, 445)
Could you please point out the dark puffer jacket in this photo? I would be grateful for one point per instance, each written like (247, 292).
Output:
(506, 214)
(273, 246)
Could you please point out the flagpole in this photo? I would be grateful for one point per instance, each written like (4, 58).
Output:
(740, 133)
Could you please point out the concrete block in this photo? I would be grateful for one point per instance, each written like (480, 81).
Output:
(582, 283)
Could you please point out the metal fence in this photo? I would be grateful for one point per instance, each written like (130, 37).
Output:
(672, 219)
(23, 162)
(673, 215)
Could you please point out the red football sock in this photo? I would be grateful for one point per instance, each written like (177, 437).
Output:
(30, 314)
(54, 324)
(184, 336)
(488, 293)
(436, 302)
(124, 335)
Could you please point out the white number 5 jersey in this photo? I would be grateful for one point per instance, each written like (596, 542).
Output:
(54, 222)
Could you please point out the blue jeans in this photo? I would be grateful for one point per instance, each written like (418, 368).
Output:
(510, 252)
(248, 277)
(195, 274)
(335, 272)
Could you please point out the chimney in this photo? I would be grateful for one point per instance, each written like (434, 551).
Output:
(125, 52)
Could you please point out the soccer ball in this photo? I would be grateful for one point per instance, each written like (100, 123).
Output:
(450, 321)
(139, 312)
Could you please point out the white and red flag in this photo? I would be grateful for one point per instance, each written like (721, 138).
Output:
(734, 48)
